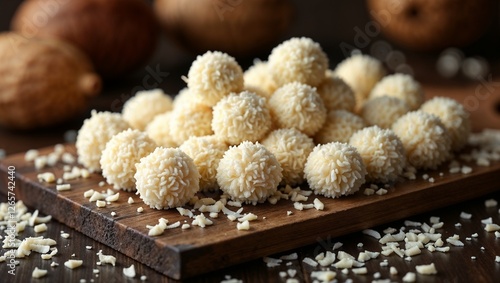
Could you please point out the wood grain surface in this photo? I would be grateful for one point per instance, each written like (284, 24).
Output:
(185, 253)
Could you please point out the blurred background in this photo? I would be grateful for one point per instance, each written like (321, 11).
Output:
(451, 49)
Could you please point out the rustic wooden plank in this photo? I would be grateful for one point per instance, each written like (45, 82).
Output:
(186, 253)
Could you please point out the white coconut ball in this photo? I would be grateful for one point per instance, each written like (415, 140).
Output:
(454, 117)
(426, 140)
(141, 109)
(339, 126)
(159, 130)
(401, 86)
(336, 94)
(92, 137)
(120, 155)
(298, 60)
(382, 152)
(241, 117)
(249, 173)
(166, 178)
(298, 106)
(334, 170)
(190, 120)
(206, 152)
(258, 78)
(291, 148)
(383, 111)
(214, 75)
(361, 73)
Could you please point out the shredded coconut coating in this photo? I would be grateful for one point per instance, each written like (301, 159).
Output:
(383, 111)
(167, 178)
(298, 106)
(453, 116)
(298, 60)
(191, 120)
(382, 152)
(249, 173)
(339, 126)
(334, 169)
(258, 78)
(426, 141)
(361, 73)
(141, 109)
(159, 130)
(291, 148)
(336, 94)
(214, 75)
(184, 97)
(206, 153)
(92, 137)
(241, 117)
(402, 86)
(120, 155)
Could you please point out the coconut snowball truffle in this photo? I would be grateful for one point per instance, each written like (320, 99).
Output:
(241, 117)
(249, 173)
(298, 106)
(190, 120)
(298, 60)
(361, 73)
(214, 75)
(426, 140)
(159, 130)
(258, 78)
(291, 148)
(92, 137)
(383, 111)
(453, 116)
(334, 169)
(402, 86)
(139, 110)
(120, 155)
(382, 152)
(206, 153)
(184, 97)
(339, 127)
(336, 94)
(166, 178)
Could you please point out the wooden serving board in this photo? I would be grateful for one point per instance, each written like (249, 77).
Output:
(184, 253)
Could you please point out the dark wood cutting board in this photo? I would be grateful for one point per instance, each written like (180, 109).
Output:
(184, 253)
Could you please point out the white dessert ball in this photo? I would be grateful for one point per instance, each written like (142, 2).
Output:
(383, 111)
(258, 78)
(336, 94)
(120, 155)
(166, 178)
(298, 106)
(190, 120)
(402, 86)
(334, 170)
(241, 117)
(382, 152)
(139, 110)
(291, 148)
(159, 130)
(214, 75)
(426, 140)
(453, 116)
(206, 152)
(249, 173)
(92, 137)
(339, 127)
(298, 60)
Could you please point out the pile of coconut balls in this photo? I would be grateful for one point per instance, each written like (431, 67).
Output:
(286, 121)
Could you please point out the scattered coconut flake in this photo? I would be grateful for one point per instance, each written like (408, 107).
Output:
(292, 256)
(458, 225)
(344, 263)
(140, 209)
(410, 277)
(475, 235)
(488, 220)
(97, 196)
(129, 271)
(497, 258)
(393, 270)
(466, 170)
(327, 260)
(490, 203)
(491, 227)
(38, 273)
(368, 192)
(65, 235)
(73, 263)
(245, 225)
(360, 270)
(318, 204)
(291, 272)
(323, 276)
(413, 251)
(106, 258)
(113, 197)
(130, 200)
(465, 215)
(473, 258)
(272, 262)
(372, 233)
(54, 264)
(184, 212)
(497, 234)
(63, 187)
(310, 261)
(88, 193)
(40, 228)
(289, 212)
(426, 269)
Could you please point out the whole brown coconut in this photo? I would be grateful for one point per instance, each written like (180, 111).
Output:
(119, 36)
(430, 25)
(42, 81)
(237, 27)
